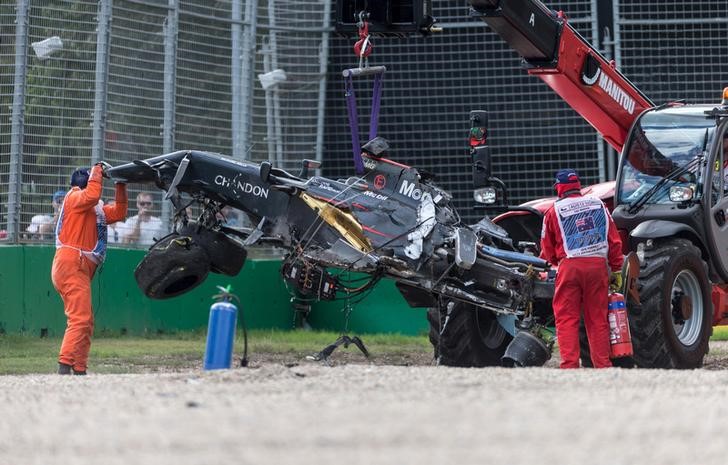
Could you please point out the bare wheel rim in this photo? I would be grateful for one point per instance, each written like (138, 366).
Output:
(687, 283)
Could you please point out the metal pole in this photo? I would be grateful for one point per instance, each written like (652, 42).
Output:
(246, 97)
(611, 161)
(270, 125)
(611, 155)
(236, 33)
(103, 42)
(18, 118)
(323, 66)
(599, 140)
(273, 48)
(170, 79)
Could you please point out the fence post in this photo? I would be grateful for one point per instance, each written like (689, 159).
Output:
(103, 42)
(235, 70)
(246, 99)
(612, 161)
(18, 119)
(323, 66)
(277, 134)
(171, 28)
(599, 141)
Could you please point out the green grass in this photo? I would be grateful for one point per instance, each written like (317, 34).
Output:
(720, 333)
(306, 341)
(20, 354)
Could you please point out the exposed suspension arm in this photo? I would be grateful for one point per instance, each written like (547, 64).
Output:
(564, 60)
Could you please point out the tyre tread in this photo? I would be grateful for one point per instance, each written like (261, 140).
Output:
(651, 345)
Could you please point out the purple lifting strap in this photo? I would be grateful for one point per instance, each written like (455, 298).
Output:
(378, 72)
(376, 99)
(353, 124)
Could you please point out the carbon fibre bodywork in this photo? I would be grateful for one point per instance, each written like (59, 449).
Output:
(390, 222)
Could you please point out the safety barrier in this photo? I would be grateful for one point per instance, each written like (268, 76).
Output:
(29, 303)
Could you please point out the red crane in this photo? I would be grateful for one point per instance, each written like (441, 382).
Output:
(556, 53)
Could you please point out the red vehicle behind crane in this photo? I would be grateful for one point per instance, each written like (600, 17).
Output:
(670, 197)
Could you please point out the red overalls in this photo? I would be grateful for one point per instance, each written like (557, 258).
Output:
(580, 237)
(80, 248)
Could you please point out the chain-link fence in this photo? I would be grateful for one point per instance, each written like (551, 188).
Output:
(293, 39)
(433, 83)
(674, 50)
(7, 79)
(261, 79)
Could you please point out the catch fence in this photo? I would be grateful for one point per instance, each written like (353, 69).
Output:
(120, 80)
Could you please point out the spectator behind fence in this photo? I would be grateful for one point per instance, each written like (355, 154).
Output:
(111, 231)
(142, 228)
(42, 226)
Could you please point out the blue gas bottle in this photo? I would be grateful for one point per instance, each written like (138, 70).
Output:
(221, 331)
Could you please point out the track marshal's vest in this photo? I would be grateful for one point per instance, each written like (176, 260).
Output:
(98, 253)
(583, 226)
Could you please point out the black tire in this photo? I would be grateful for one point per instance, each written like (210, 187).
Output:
(227, 255)
(174, 265)
(470, 337)
(660, 339)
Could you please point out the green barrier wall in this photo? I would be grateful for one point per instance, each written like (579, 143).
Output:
(30, 304)
(382, 311)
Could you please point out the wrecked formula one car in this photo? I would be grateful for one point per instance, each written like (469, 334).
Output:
(390, 222)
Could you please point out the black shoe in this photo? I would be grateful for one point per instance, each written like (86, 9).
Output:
(64, 369)
(81, 373)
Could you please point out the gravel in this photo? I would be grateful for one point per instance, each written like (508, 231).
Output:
(360, 413)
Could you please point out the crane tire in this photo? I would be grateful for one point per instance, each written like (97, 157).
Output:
(672, 272)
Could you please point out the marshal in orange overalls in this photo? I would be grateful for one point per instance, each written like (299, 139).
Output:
(80, 249)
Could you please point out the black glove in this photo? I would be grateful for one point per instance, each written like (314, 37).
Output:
(104, 166)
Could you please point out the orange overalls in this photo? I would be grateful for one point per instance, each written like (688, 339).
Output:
(80, 248)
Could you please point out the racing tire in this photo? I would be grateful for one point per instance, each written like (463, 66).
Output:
(174, 265)
(227, 255)
(672, 277)
(467, 337)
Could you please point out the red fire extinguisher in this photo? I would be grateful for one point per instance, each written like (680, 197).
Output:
(620, 340)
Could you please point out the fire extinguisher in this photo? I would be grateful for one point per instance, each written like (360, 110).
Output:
(221, 331)
(620, 340)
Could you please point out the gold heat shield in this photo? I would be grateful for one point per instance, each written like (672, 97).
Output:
(343, 222)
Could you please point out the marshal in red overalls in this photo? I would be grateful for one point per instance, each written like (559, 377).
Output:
(580, 237)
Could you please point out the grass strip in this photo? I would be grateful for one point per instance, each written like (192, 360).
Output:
(25, 354)
(720, 333)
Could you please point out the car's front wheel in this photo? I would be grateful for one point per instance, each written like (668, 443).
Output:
(174, 265)
(465, 336)
(227, 255)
